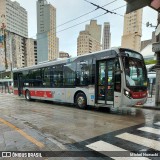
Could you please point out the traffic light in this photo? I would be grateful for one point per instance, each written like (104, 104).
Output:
(133, 5)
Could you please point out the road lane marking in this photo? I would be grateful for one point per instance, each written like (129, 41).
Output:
(31, 139)
(150, 130)
(157, 123)
(103, 147)
(140, 140)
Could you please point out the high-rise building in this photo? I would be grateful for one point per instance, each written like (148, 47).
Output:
(14, 26)
(132, 30)
(89, 40)
(16, 48)
(94, 29)
(47, 42)
(106, 39)
(87, 44)
(15, 17)
(31, 50)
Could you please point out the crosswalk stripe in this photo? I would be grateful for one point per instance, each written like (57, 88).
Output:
(102, 146)
(140, 140)
(150, 130)
(157, 123)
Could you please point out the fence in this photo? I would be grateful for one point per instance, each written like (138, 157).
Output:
(151, 90)
(6, 87)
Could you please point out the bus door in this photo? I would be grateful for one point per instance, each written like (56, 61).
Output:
(20, 84)
(105, 82)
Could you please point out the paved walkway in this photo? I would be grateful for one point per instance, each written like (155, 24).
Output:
(150, 104)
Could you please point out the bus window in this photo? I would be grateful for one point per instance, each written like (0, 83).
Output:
(46, 77)
(92, 74)
(57, 76)
(69, 74)
(83, 72)
(135, 72)
(117, 77)
(15, 78)
(32, 78)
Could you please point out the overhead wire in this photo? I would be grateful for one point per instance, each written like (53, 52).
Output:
(85, 14)
(78, 18)
(90, 19)
(85, 21)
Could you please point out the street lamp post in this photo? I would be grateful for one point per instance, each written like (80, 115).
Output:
(5, 50)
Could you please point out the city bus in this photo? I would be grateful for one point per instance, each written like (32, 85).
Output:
(100, 79)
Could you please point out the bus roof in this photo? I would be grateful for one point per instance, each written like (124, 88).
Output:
(61, 61)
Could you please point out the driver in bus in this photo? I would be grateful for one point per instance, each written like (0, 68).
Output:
(139, 77)
(129, 80)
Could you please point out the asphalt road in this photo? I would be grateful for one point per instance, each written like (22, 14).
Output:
(44, 126)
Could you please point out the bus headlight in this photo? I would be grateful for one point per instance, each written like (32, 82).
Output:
(127, 93)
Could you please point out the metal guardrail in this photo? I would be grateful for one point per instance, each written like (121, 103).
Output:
(5, 88)
(151, 90)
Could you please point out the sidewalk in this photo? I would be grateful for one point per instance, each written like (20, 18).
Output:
(150, 104)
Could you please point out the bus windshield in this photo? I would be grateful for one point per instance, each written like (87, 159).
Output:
(135, 72)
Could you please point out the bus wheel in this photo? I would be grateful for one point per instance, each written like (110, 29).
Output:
(27, 95)
(81, 101)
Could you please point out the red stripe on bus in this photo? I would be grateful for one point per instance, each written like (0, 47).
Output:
(45, 94)
(138, 95)
(16, 92)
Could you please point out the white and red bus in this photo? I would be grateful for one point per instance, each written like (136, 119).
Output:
(108, 78)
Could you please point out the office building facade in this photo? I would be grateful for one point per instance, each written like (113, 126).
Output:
(47, 42)
(106, 38)
(89, 40)
(31, 50)
(132, 31)
(14, 17)
(14, 27)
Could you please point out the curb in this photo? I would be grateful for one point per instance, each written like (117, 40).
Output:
(151, 107)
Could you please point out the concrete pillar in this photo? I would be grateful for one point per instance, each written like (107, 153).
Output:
(157, 96)
(156, 49)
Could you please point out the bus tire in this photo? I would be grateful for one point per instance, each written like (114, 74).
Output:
(81, 100)
(27, 95)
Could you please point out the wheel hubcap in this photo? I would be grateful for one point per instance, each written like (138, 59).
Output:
(27, 95)
(81, 101)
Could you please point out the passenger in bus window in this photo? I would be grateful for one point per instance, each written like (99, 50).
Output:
(102, 91)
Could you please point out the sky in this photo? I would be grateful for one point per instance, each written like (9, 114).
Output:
(67, 10)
